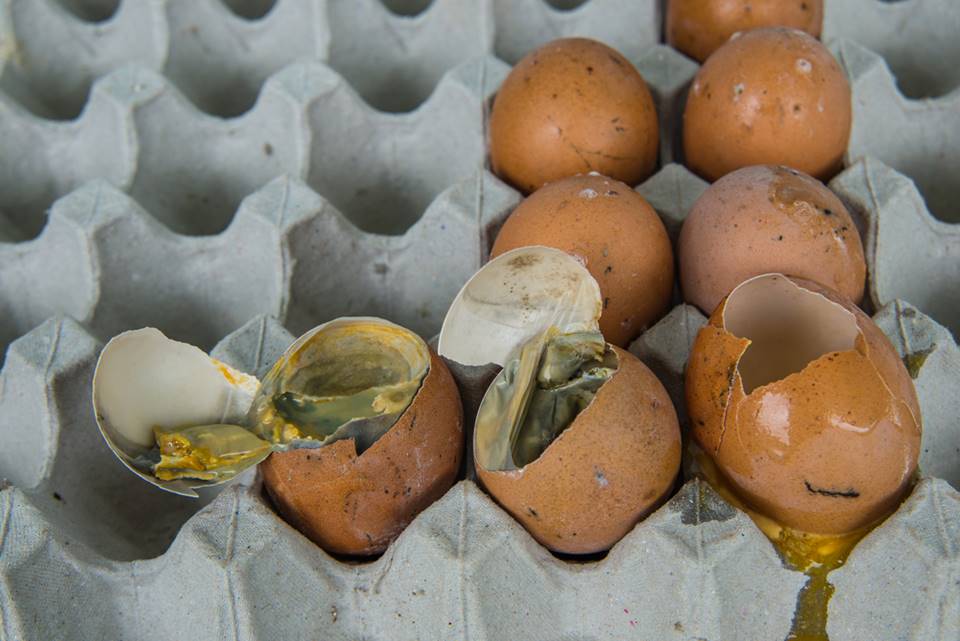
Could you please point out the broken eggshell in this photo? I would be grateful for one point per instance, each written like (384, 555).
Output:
(353, 486)
(576, 438)
(364, 423)
(804, 406)
(145, 381)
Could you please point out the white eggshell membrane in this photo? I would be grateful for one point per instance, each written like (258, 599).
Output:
(514, 297)
(145, 380)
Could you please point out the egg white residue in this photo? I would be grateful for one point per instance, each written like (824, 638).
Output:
(737, 90)
(804, 66)
(588, 193)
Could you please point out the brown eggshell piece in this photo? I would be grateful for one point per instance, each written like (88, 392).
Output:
(616, 233)
(769, 96)
(829, 449)
(697, 28)
(573, 106)
(611, 467)
(763, 219)
(349, 504)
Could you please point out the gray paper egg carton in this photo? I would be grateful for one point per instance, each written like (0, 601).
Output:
(258, 133)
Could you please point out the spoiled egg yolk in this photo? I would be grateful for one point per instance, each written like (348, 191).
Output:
(815, 555)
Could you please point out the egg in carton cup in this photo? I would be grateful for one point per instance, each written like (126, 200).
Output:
(46, 380)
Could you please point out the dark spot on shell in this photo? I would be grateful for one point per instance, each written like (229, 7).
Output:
(380, 268)
(608, 269)
(606, 302)
(57, 496)
(268, 149)
(589, 70)
(532, 512)
(848, 493)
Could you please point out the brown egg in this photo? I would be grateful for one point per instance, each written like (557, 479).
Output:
(769, 96)
(699, 27)
(351, 504)
(763, 219)
(611, 467)
(804, 406)
(616, 233)
(571, 107)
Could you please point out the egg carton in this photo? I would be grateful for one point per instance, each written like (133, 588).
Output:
(160, 215)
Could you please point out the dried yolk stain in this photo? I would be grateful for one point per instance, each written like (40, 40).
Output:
(815, 555)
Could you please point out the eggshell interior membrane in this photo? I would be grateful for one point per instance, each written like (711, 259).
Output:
(762, 219)
(573, 106)
(616, 234)
(699, 27)
(612, 466)
(804, 406)
(145, 380)
(514, 297)
(357, 505)
(768, 96)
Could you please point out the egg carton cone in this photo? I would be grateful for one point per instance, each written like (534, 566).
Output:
(75, 522)
(246, 169)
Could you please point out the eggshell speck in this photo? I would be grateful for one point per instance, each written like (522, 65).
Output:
(573, 106)
(699, 27)
(763, 219)
(829, 448)
(617, 235)
(357, 505)
(611, 467)
(769, 96)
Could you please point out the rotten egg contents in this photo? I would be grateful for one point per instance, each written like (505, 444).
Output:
(763, 219)
(574, 437)
(769, 96)
(803, 406)
(359, 423)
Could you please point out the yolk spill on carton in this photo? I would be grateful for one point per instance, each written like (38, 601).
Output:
(225, 371)
(813, 554)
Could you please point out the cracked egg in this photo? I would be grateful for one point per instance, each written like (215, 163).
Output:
(570, 107)
(803, 406)
(358, 425)
(575, 437)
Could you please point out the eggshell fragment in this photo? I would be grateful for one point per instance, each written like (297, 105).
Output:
(357, 505)
(514, 297)
(144, 380)
(769, 96)
(616, 234)
(699, 27)
(611, 467)
(573, 106)
(804, 406)
(763, 219)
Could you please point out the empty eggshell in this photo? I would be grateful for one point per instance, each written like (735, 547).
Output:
(573, 106)
(804, 406)
(768, 96)
(699, 27)
(763, 219)
(616, 234)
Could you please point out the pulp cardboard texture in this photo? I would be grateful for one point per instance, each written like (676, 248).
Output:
(247, 169)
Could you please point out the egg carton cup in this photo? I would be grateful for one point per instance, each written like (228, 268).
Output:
(74, 522)
(147, 234)
(159, 215)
